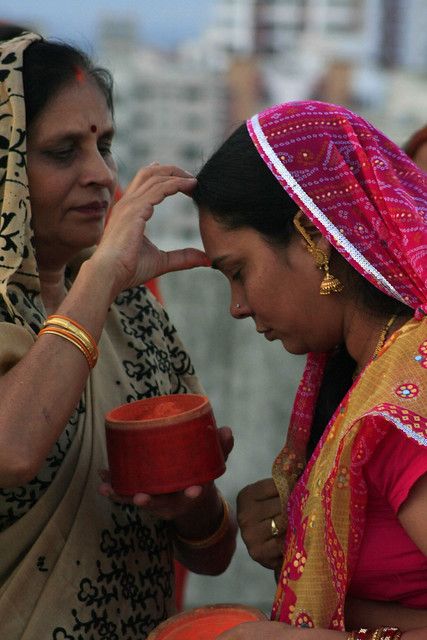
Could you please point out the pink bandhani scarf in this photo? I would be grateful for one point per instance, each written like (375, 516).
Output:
(370, 201)
(362, 192)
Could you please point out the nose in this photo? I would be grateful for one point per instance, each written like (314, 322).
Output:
(96, 170)
(239, 310)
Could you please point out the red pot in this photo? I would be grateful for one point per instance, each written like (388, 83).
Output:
(163, 444)
(205, 623)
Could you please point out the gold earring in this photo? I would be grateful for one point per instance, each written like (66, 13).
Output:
(330, 284)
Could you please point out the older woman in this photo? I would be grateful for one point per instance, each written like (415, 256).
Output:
(318, 221)
(73, 344)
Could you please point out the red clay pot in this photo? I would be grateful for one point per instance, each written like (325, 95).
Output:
(163, 444)
(205, 623)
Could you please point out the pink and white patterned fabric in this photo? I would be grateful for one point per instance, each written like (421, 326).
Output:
(362, 192)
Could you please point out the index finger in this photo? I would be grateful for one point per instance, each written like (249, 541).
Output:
(156, 170)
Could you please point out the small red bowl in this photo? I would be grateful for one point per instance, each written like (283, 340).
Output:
(205, 623)
(163, 444)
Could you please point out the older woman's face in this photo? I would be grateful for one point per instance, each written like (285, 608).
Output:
(277, 287)
(71, 172)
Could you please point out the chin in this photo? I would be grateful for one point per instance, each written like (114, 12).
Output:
(293, 348)
(88, 240)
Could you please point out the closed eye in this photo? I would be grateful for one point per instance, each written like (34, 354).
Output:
(61, 154)
(104, 145)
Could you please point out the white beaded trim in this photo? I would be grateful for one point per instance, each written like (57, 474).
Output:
(401, 426)
(317, 213)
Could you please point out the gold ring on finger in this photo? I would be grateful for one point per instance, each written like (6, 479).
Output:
(274, 528)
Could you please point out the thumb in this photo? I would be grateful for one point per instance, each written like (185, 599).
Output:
(181, 259)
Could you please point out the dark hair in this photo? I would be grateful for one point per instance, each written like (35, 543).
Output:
(417, 139)
(238, 189)
(9, 30)
(49, 66)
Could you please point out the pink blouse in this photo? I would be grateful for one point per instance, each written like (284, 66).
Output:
(390, 566)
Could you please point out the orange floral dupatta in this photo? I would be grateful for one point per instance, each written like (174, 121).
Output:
(327, 503)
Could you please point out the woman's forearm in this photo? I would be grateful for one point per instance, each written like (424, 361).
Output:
(203, 523)
(40, 393)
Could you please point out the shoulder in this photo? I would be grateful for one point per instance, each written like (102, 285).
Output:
(397, 462)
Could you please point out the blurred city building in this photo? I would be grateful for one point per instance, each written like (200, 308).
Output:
(167, 110)
(370, 55)
(365, 54)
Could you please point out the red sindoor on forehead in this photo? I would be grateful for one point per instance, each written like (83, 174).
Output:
(78, 72)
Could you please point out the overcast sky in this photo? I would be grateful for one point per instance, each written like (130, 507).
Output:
(162, 22)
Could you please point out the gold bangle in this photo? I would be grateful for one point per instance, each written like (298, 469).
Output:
(63, 333)
(216, 536)
(76, 329)
(387, 633)
(382, 633)
(72, 325)
(390, 633)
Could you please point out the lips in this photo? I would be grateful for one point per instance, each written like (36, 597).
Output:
(96, 206)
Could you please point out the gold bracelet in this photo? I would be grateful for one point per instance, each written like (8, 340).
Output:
(76, 329)
(390, 633)
(204, 543)
(382, 633)
(63, 333)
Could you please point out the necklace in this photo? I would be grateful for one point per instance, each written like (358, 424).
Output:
(381, 341)
(383, 336)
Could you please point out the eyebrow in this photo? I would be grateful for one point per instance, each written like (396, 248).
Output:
(77, 135)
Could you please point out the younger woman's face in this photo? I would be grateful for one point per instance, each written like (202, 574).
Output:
(277, 286)
(71, 172)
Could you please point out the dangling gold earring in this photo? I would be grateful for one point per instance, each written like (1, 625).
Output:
(330, 284)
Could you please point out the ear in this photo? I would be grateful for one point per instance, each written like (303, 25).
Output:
(310, 233)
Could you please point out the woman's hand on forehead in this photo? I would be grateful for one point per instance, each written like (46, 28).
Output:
(124, 243)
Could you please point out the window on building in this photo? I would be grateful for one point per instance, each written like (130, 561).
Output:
(141, 120)
(140, 150)
(192, 93)
(190, 152)
(193, 121)
(143, 91)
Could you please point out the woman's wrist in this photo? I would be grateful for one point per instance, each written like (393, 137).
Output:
(213, 538)
(104, 275)
(204, 521)
(206, 539)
